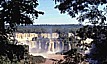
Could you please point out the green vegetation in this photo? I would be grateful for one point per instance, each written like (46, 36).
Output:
(45, 28)
(13, 13)
(89, 9)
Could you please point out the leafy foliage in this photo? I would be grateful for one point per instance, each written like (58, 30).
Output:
(75, 6)
(94, 15)
(88, 9)
(13, 13)
(98, 45)
(16, 12)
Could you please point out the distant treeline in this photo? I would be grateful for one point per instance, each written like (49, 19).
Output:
(48, 28)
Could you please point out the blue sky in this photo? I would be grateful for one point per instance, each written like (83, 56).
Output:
(52, 16)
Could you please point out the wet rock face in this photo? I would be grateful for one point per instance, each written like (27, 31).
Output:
(37, 59)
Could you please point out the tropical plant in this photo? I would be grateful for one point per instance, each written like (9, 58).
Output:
(89, 9)
(13, 13)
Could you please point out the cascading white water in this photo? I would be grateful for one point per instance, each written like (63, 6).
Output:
(48, 45)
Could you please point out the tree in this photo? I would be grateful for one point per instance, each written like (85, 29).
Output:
(16, 12)
(13, 13)
(86, 9)
(89, 9)
(73, 7)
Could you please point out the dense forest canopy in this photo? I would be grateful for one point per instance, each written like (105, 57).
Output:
(47, 28)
